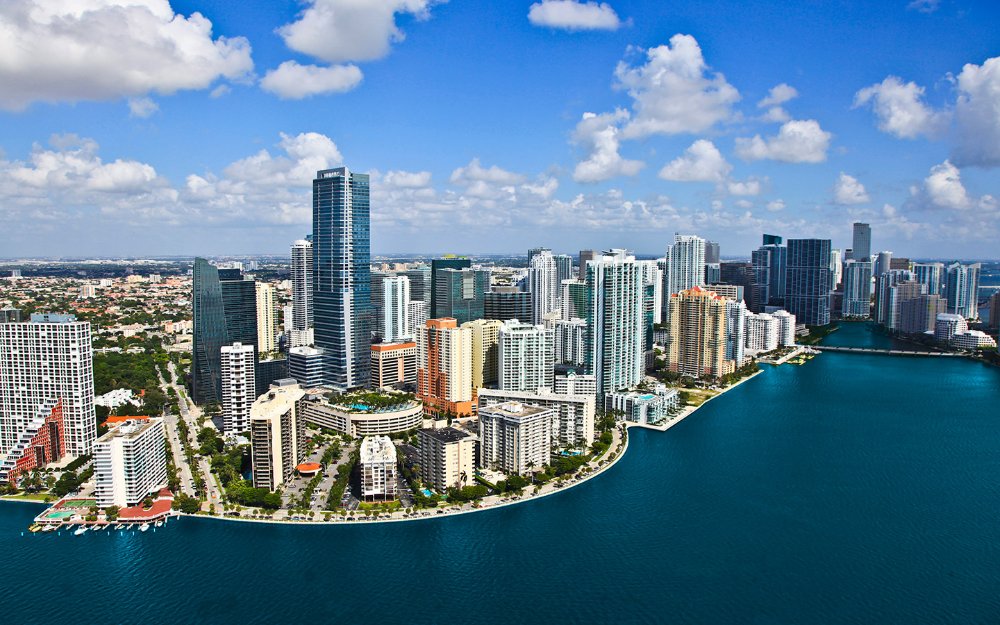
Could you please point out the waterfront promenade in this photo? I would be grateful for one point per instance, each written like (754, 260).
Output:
(887, 352)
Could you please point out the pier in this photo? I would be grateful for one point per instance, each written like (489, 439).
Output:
(887, 352)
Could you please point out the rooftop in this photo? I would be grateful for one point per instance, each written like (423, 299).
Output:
(377, 449)
(514, 409)
(445, 435)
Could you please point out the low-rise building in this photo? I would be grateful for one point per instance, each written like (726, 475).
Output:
(348, 415)
(379, 477)
(948, 325)
(516, 438)
(130, 462)
(651, 408)
(305, 365)
(972, 340)
(277, 434)
(447, 458)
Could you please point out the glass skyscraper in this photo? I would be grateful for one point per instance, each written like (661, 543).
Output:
(807, 290)
(437, 265)
(342, 276)
(461, 294)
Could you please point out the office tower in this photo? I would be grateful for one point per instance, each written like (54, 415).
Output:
(570, 342)
(266, 333)
(962, 289)
(736, 327)
(883, 283)
(306, 366)
(277, 435)
(712, 253)
(130, 462)
(48, 358)
(836, 269)
(485, 351)
(42, 441)
(239, 387)
(770, 265)
(807, 290)
(786, 334)
(586, 255)
(209, 333)
(918, 315)
(447, 458)
(564, 268)
(420, 283)
(526, 356)
(763, 332)
(391, 303)
(741, 274)
(379, 481)
(516, 438)
(437, 265)
(543, 283)
(574, 298)
(460, 294)
(713, 273)
(771, 239)
(444, 367)
(416, 315)
(883, 263)
(302, 286)
(685, 262)
(861, 248)
(341, 275)
(857, 302)
(507, 302)
(239, 305)
(932, 275)
(269, 371)
(615, 317)
(394, 365)
(697, 345)
(994, 324)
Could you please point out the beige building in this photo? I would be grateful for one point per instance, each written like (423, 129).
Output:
(447, 458)
(394, 365)
(358, 420)
(573, 422)
(266, 334)
(378, 469)
(697, 345)
(444, 367)
(277, 434)
(485, 347)
(516, 437)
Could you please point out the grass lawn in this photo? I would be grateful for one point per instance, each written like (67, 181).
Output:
(393, 505)
(30, 497)
(698, 396)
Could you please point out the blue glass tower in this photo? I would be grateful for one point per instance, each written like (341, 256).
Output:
(807, 291)
(342, 276)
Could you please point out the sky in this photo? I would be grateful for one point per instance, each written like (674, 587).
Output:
(182, 127)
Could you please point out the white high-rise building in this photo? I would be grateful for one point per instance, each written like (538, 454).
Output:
(416, 315)
(615, 322)
(49, 357)
(857, 289)
(378, 469)
(575, 384)
(238, 387)
(786, 333)
(393, 322)
(447, 458)
(652, 274)
(277, 434)
(570, 341)
(836, 268)
(516, 438)
(266, 336)
(526, 356)
(736, 320)
(930, 274)
(685, 264)
(130, 462)
(302, 285)
(763, 332)
(962, 290)
(543, 282)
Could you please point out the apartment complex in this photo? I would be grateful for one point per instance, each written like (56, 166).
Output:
(447, 458)
(277, 434)
(130, 462)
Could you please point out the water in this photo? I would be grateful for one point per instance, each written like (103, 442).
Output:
(852, 489)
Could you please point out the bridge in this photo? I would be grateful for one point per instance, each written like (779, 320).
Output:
(887, 352)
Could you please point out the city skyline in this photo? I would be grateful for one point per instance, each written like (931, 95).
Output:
(641, 124)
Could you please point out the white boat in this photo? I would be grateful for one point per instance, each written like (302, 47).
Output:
(80, 530)
(98, 528)
(49, 528)
(119, 526)
(159, 524)
(144, 527)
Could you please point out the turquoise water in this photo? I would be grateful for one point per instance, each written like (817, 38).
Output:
(852, 489)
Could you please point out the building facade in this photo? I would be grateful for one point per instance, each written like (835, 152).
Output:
(485, 351)
(239, 387)
(697, 344)
(616, 321)
(526, 356)
(516, 438)
(379, 476)
(962, 289)
(444, 367)
(394, 365)
(277, 435)
(267, 336)
(130, 462)
(808, 281)
(447, 458)
(302, 286)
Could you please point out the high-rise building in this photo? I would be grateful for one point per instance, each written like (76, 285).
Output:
(763, 332)
(507, 302)
(770, 267)
(266, 334)
(947, 325)
(420, 283)
(919, 314)
(742, 274)
(543, 283)
(460, 294)
(444, 367)
(712, 253)
(883, 263)
(861, 248)
(42, 441)
(341, 275)
(526, 356)
(931, 275)
(302, 286)
(209, 332)
(564, 268)
(394, 365)
(697, 345)
(438, 265)
(277, 435)
(447, 458)
(130, 462)
(836, 269)
(786, 335)
(652, 275)
(570, 342)
(306, 366)
(899, 295)
(857, 289)
(807, 284)
(48, 358)
(391, 303)
(586, 255)
(516, 438)
(685, 262)
(616, 322)
(962, 289)
(485, 351)
(239, 304)
(239, 386)
(736, 328)
(994, 324)
(574, 298)
(379, 479)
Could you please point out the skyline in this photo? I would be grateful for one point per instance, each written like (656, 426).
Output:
(607, 125)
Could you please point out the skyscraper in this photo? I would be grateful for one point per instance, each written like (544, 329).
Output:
(239, 386)
(543, 283)
(697, 344)
(586, 255)
(615, 316)
(883, 291)
(239, 305)
(807, 290)
(962, 289)
(437, 265)
(485, 340)
(564, 267)
(420, 283)
(685, 261)
(266, 335)
(302, 285)
(857, 289)
(931, 275)
(341, 275)
(861, 249)
(507, 302)
(526, 356)
(444, 367)
(461, 293)
(883, 263)
(390, 303)
(209, 333)
(712, 253)
(770, 266)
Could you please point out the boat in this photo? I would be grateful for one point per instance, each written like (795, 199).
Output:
(80, 530)
(49, 528)
(159, 524)
(98, 528)
(34, 527)
(144, 527)
(119, 526)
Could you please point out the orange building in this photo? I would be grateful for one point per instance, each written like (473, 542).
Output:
(444, 370)
(41, 442)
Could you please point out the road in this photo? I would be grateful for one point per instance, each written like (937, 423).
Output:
(191, 415)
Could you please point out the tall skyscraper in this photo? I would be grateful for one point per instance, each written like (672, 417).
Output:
(712, 253)
(836, 267)
(420, 283)
(209, 333)
(574, 298)
(277, 435)
(437, 265)
(302, 285)
(883, 291)
(685, 264)
(652, 275)
(444, 367)
(527, 357)
(883, 263)
(47, 359)
(616, 320)
(564, 267)
(341, 275)
(543, 284)
(390, 303)
(857, 289)
(697, 345)
(962, 289)
(931, 275)
(861, 249)
(507, 302)
(461, 293)
(239, 386)
(770, 266)
(239, 305)
(586, 255)
(807, 290)
(485, 349)
(266, 334)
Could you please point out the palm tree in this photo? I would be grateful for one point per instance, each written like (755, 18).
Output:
(464, 477)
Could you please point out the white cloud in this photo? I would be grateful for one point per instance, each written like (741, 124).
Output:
(220, 91)
(475, 172)
(350, 30)
(701, 162)
(674, 92)
(292, 81)
(142, 107)
(798, 141)
(75, 166)
(407, 179)
(745, 204)
(978, 114)
(599, 136)
(943, 189)
(750, 186)
(107, 49)
(778, 95)
(900, 109)
(776, 205)
(924, 6)
(573, 15)
(849, 190)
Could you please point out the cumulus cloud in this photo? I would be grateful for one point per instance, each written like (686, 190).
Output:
(924, 6)
(978, 115)
(336, 31)
(750, 186)
(701, 162)
(599, 135)
(943, 189)
(674, 91)
(849, 190)
(74, 165)
(778, 95)
(291, 81)
(142, 107)
(776, 205)
(798, 141)
(107, 49)
(573, 15)
(475, 172)
(900, 109)
(407, 179)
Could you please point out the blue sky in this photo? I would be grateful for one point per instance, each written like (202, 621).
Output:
(141, 127)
